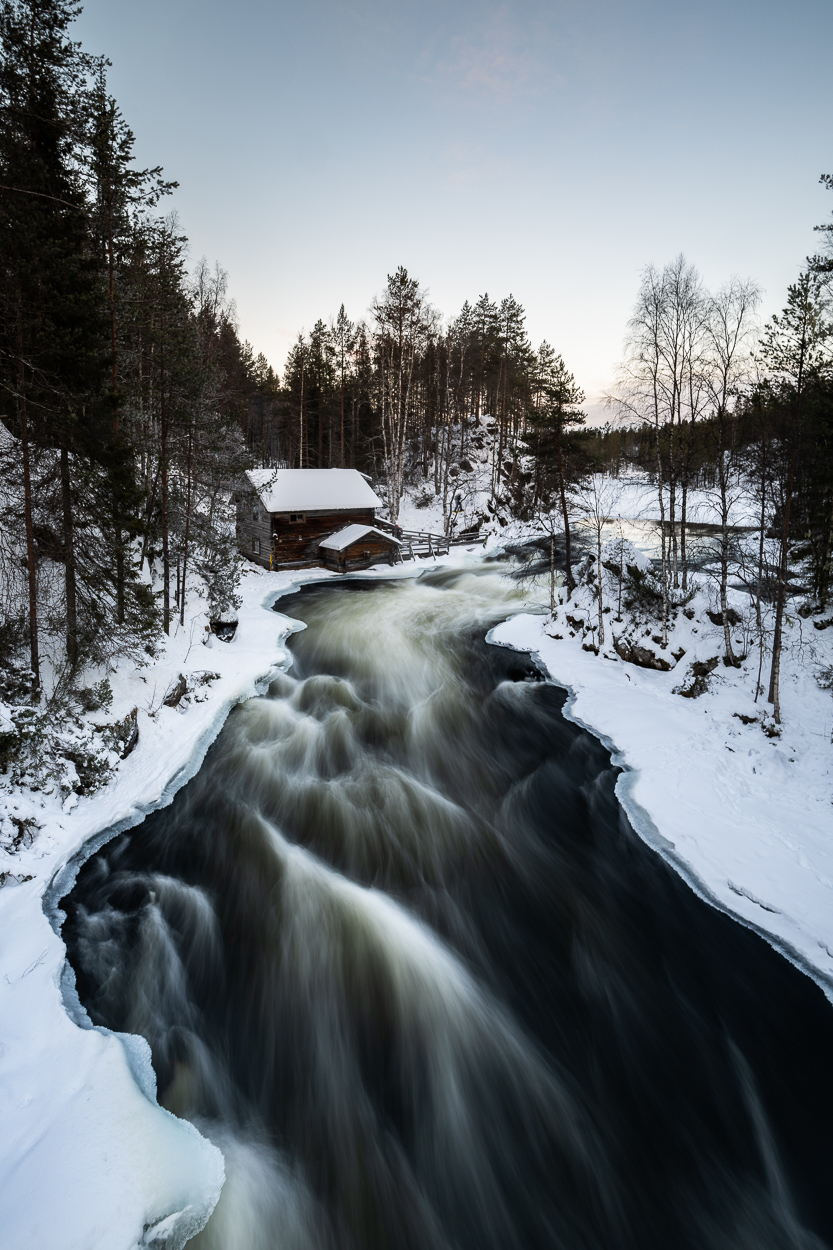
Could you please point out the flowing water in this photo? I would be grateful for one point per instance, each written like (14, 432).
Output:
(398, 952)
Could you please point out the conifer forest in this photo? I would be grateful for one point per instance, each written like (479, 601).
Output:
(130, 405)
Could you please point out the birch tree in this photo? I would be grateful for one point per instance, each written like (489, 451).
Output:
(730, 325)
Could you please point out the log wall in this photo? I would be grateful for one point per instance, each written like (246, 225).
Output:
(291, 542)
(360, 555)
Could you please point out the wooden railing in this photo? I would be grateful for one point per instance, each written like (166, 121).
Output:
(423, 542)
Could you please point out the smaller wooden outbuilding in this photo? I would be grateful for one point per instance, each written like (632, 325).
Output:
(357, 547)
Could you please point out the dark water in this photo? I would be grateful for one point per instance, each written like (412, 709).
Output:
(397, 950)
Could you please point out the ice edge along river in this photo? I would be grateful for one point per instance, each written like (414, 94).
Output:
(641, 819)
(743, 819)
(89, 1158)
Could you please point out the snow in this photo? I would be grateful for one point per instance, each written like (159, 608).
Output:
(88, 1158)
(312, 490)
(745, 818)
(352, 534)
(638, 499)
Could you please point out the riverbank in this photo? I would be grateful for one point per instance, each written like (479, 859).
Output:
(744, 817)
(87, 1157)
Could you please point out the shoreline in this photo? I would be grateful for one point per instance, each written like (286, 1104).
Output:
(122, 1171)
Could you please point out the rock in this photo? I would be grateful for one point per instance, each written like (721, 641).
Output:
(700, 671)
(702, 668)
(824, 624)
(732, 617)
(644, 657)
(130, 732)
(224, 630)
(176, 692)
(467, 466)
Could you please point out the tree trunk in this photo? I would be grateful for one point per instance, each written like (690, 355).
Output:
(187, 523)
(724, 544)
(663, 545)
(774, 696)
(568, 548)
(599, 574)
(31, 562)
(69, 559)
(163, 470)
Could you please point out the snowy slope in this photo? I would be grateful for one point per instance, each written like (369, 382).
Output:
(87, 1157)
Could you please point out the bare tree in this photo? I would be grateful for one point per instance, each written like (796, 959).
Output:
(730, 326)
(595, 501)
(659, 385)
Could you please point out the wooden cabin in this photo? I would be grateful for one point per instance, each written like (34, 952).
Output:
(357, 547)
(283, 514)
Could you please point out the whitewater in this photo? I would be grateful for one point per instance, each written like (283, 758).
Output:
(398, 953)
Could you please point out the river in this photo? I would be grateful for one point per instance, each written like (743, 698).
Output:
(398, 952)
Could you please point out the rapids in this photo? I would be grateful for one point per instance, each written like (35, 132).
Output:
(398, 952)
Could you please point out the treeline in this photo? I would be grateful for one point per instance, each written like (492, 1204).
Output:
(129, 404)
(124, 386)
(397, 395)
(709, 401)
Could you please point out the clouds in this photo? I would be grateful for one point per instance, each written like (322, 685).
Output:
(496, 60)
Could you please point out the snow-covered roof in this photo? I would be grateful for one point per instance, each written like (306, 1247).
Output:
(351, 534)
(312, 490)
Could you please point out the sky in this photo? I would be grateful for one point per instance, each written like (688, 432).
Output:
(545, 148)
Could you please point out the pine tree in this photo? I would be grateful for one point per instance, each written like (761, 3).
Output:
(51, 325)
(342, 337)
(555, 415)
(795, 354)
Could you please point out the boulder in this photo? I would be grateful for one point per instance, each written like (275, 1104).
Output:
(732, 617)
(176, 692)
(702, 668)
(129, 732)
(644, 657)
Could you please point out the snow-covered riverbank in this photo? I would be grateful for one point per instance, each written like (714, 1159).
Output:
(87, 1157)
(744, 817)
